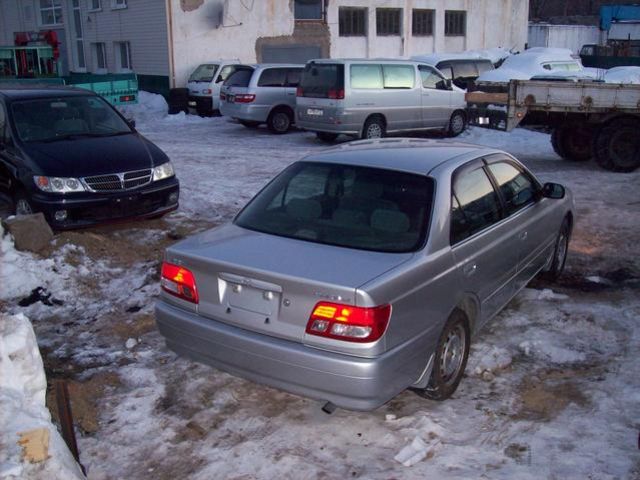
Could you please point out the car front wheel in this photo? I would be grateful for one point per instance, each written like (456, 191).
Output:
(450, 358)
(559, 253)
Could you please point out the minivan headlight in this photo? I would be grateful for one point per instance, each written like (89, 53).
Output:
(58, 184)
(163, 171)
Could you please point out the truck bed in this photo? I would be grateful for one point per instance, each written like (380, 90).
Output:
(504, 111)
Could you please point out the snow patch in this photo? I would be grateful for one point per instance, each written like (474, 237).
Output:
(23, 387)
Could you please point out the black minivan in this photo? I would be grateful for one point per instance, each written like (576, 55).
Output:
(69, 154)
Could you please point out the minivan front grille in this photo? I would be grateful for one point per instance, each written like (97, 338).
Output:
(118, 181)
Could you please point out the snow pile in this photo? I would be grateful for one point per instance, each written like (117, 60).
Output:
(488, 360)
(493, 54)
(529, 64)
(23, 388)
(149, 106)
(623, 75)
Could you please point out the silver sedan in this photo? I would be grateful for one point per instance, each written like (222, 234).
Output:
(365, 270)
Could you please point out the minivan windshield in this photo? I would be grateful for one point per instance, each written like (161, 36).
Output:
(204, 73)
(51, 119)
(344, 205)
(318, 79)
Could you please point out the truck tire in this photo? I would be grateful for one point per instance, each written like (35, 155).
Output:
(617, 145)
(572, 141)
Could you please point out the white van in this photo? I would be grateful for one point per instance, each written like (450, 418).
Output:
(204, 85)
(372, 97)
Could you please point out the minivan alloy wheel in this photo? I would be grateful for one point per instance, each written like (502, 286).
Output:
(280, 122)
(23, 207)
(456, 124)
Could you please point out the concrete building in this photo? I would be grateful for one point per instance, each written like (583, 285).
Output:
(164, 40)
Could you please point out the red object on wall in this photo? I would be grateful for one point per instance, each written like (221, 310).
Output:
(48, 37)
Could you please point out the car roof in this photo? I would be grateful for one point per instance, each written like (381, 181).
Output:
(414, 155)
(21, 92)
(279, 65)
(363, 60)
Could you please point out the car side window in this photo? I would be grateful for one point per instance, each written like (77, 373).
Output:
(3, 125)
(225, 73)
(475, 204)
(366, 76)
(273, 77)
(430, 78)
(517, 189)
(465, 70)
(293, 77)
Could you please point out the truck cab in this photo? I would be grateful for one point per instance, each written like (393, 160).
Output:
(204, 85)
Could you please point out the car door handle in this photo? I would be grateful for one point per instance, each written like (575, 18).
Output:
(469, 269)
(523, 236)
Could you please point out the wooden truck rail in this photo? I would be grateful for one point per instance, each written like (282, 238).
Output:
(588, 119)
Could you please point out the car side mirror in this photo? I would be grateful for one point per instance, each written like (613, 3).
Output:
(131, 122)
(553, 190)
(443, 84)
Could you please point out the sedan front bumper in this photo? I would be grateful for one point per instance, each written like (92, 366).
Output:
(349, 382)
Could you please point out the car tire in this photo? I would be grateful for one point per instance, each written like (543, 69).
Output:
(249, 123)
(21, 204)
(279, 121)
(457, 124)
(450, 358)
(326, 136)
(373, 128)
(178, 100)
(616, 146)
(573, 141)
(559, 252)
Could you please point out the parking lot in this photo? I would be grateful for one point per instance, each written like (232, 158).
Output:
(551, 389)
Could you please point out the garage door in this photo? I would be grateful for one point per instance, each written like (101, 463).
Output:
(290, 53)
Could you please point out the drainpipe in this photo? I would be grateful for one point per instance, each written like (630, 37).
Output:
(172, 65)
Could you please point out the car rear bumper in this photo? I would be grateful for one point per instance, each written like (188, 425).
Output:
(245, 111)
(349, 382)
(89, 209)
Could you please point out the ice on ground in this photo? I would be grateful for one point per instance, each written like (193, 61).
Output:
(23, 388)
(488, 359)
(413, 453)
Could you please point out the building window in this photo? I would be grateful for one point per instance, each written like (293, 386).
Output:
(388, 21)
(50, 12)
(95, 5)
(455, 23)
(100, 56)
(308, 9)
(352, 22)
(115, 4)
(123, 55)
(422, 22)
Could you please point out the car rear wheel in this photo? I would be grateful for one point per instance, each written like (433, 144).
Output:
(373, 128)
(279, 122)
(457, 124)
(559, 253)
(573, 141)
(450, 358)
(326, 136)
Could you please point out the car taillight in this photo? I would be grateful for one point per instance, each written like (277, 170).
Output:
(336, 94)
(244, 98)
(299, 92)
(179, 281)
(127, 98)
(346, 322)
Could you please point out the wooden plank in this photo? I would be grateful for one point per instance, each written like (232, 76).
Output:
(484, 97)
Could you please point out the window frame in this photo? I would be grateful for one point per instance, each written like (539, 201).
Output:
(119, 4)
(118, 54)
(388, 22)
(100, 47)
(58, 19)
(498, 158)
(92, 7)
(449, 23)
(323, 11)
(352, 11)
(427, 27)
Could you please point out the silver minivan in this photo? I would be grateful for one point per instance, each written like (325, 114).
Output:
(262, 94)
(370, 98)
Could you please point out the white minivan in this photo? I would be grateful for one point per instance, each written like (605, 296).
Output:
(369, 98)
(204, 85)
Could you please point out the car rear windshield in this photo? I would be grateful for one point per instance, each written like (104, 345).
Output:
(344, 205)
(240, 78)
(318, 79)
(204, 73)
(51, 119)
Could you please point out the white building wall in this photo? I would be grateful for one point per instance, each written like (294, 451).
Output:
(205, 30)
(572, 37)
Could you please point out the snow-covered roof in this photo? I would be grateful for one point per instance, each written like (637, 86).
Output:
(529, 63)
(493, 54)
